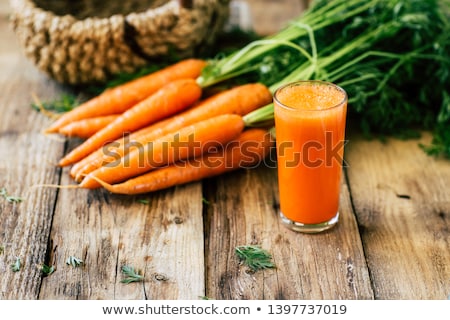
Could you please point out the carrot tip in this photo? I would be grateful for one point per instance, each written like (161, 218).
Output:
(50, 130)
(64, 162)
(79, 177)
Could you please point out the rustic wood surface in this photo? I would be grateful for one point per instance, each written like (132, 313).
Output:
(392, 241)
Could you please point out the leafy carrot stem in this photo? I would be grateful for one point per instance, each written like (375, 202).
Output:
(9, 198)
(255, 257)
(131, 275)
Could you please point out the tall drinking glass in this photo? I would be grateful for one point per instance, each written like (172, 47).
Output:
(310, 131)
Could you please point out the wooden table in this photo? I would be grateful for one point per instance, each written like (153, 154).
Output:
(392, 241)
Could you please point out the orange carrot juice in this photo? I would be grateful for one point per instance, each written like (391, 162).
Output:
(310, 132)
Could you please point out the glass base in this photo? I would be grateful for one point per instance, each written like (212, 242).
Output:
(309, 228)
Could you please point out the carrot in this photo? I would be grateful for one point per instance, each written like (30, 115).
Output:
(249, 150)
(87, 127)
(170, 99)
(238, 100)
(121, 98)
(189, 141)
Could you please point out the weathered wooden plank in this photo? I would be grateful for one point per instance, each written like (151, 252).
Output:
(163, 239)
(402, 201)
(27, 159)
(243, 210)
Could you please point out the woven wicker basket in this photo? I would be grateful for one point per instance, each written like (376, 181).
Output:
(85, 41)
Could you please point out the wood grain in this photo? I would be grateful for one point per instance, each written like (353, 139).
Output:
(27, 159)
(402, 201)
(243, 210)
(162, 239)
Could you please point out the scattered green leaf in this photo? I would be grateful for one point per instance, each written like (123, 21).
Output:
(16, 265)
(131, 275)
(47, 270)
(11, 199)
(64, 104)
(255, 257)
(74, 262)
(2, 249)
(144, 201)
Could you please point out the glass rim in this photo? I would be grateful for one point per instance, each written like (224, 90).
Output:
(320, 82)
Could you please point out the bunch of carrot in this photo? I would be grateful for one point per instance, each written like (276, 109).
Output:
(160, 130)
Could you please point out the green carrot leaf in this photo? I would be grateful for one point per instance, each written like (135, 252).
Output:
(254, 257)
(16, 265)
(47, 270)
(74, 262)
(64, 103)
(131, 275)
(11, 199)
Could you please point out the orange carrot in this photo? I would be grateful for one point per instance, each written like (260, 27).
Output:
(238, 100)
(249, 150)
(170, 99)
(86, 127)
(121, 98)
(189, 141)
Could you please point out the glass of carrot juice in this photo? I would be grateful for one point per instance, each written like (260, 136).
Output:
(310, 131)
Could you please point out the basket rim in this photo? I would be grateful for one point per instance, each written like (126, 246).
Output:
(24, 7)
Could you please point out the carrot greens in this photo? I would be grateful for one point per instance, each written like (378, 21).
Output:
(254, 257)
(61, 105)
(15, 267)
(74, 261)
(131, 275)
(391, 56)
(9, 198)
(46, 270)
